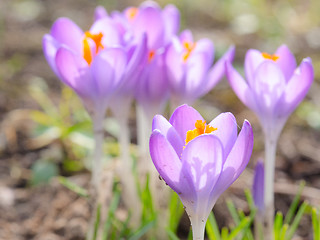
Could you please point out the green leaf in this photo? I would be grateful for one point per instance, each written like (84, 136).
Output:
(283, 232)
(224, 233)
(111, 214)
(43, 171)
(315, 223)
(142, 231)
(72, 165)
(172, 235)
(175, 212)
(249, 198)
(296, 221)
(233, 211)
(73, 187)
(278, 221)
(212, 228)
(294, 204)
(97, 221)
(240, 228)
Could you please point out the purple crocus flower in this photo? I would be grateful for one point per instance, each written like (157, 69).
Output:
(199, 161)
(188, 65)
(274, 87)
(258, 186)
(94, 63)
(159, 25)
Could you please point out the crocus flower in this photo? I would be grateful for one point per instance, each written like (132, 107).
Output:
(159, 25)
(258, 186)
(94, 63)
(274, 87)
(199, 161)
(188, 65)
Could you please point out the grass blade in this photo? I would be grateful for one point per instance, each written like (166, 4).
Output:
(294, 205)
(278, 221)
(233, 211)
(296, 220)
(97, 222)
(175, 212)
(212, 228)
(142, 231)
(172, 235)
(224, 233)
(73, 187)
(111, 214)
(315, 223)
(240, 228)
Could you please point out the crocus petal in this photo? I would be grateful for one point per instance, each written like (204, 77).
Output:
(186, 35)
(137, 60)
(202, 159)
(296, 88)
(75, 72)
(171, 17)
(67, 32)
(252, 60)
(149, 21)
(166, 129)
(237, 160)
(269, 84)
(286, 61)
(50, 47)
(108, 68)
(100, 12)
(197, 68)
(110, 31)
(153, 84)
(218, 70)
(205, 46)
(183, 119)
(226, 125)
(175, 69)
(168, 164)
(240, 87)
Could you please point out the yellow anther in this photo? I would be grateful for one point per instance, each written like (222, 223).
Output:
(272, 57)
(201, 128)
(131, 13)
(189, 47)
(97, 38)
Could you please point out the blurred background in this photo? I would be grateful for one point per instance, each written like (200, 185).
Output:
(45, 132)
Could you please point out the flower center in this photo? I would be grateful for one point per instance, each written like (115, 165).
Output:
(201, 128)
(188, 47)
(272, 57)
(87, 53)
(131, 13)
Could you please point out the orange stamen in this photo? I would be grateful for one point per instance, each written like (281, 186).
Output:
(201, 128)
(272, 57)
(87, 54)
(87, 51)
(151, 55)
(131, 13)
(189, 47)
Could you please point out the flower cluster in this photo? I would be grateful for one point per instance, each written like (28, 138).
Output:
(139, 53)
(134, 53)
